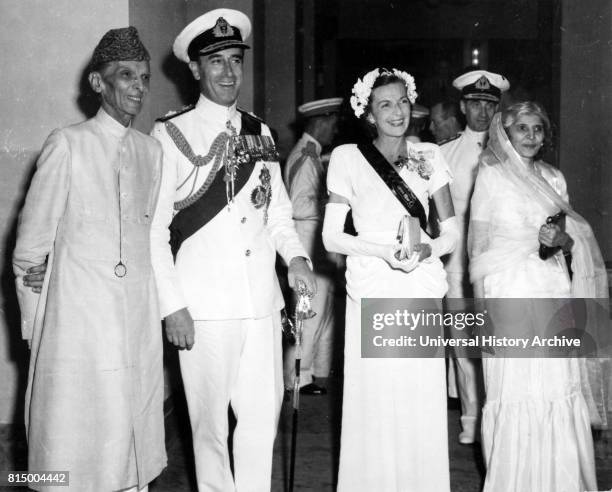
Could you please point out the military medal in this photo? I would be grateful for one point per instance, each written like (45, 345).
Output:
(261, 196)
(230, 151)
(258, 197)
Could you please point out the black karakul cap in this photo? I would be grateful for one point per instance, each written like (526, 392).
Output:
(121, 44)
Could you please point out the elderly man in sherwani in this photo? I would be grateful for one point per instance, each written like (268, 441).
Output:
(94, 403)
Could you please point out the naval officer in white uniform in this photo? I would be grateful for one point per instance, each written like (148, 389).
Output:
(231, 216)
(480, 95)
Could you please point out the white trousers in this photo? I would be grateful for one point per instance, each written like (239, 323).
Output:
(237, 362)
(468, 379)
(136, 489)
(317, 337)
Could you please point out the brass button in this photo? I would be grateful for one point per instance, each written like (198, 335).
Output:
(247, 252)
(243, 220)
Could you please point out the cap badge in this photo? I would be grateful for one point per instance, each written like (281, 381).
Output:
(482, 84)
(222, 29)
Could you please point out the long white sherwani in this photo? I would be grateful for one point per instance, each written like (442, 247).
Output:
(95, 390)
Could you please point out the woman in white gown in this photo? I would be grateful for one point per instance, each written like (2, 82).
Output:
(394, 427)
(535, 424)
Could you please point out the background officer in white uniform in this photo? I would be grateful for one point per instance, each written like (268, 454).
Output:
(232, 215)
(480, 95)
(305, 179)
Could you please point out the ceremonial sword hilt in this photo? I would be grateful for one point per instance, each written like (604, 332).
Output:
(303, 310)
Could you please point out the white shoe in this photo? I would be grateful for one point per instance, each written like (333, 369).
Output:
(468, 434)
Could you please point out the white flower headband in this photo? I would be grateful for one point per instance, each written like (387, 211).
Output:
(363, 87)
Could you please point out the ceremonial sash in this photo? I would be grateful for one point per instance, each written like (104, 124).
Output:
(394, 182)
(192, 218)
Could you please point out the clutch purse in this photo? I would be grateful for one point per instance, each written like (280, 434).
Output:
(546, 251)
(408, 236)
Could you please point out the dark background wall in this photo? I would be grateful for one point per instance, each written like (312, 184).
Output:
(585, 139)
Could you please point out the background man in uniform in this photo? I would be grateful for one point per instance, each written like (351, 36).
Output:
(232, 215)
(480, 95)
(445, 121)
(418, 123)
(305, 180)
(95, 389)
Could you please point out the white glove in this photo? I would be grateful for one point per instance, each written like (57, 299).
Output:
(447, 240)
(407, 265)
(338, 241)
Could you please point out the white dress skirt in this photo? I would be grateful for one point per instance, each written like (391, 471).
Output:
(394, 423)
(535, 423)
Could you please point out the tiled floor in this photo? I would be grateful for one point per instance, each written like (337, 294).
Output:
(318, 445)
(317, 450)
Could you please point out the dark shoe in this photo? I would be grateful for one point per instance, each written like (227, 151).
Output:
(312, 389)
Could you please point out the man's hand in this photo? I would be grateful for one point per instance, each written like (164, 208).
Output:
(179, 329)
(299, 271)
(35, 276)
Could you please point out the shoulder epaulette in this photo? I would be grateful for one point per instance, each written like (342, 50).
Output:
(171, 114)
(455, 137)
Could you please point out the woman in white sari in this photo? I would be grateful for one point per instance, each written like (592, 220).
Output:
(536, 424)
(394, 435)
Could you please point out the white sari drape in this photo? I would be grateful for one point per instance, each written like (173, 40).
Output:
(506, 248)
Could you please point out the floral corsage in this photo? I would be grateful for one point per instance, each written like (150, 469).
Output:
(416, 161)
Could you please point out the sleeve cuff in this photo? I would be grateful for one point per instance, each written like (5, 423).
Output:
(171, 304)
(28, 303)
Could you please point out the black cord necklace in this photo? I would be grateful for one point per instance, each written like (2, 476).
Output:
(120, 268)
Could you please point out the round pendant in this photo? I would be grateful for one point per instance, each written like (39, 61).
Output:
(258, 197)
(120, 270)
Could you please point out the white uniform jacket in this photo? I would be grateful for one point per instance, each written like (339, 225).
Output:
(305, 181)
(462, 155)
(226, 269)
